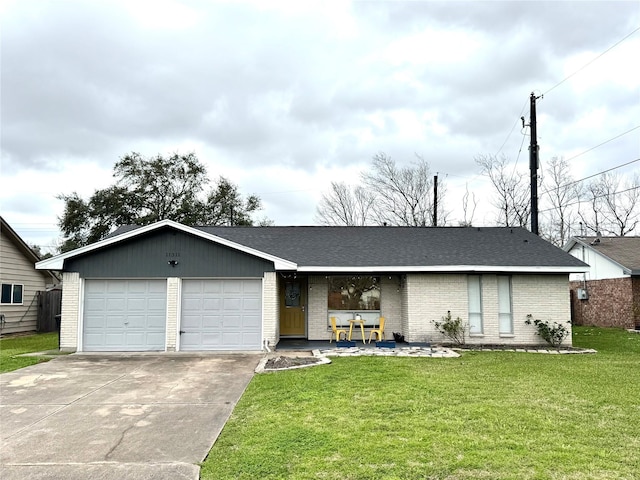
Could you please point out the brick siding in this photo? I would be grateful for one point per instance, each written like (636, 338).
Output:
(270, 308)
(173, 300)
(70, 311)
(613, 302)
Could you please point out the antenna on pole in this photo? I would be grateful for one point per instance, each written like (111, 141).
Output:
(533, 163)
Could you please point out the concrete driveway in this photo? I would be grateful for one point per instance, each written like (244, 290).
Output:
(117, 416)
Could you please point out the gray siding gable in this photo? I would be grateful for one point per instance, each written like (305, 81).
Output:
(148, 256)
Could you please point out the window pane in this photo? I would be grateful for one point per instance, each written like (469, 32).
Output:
(354, 293)
(6, 293)
(475, 322)
(17, 294)
(504, 304)
(474, 287)
(292, 294)
(506, 325)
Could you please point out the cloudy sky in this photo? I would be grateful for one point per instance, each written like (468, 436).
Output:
(282, 97)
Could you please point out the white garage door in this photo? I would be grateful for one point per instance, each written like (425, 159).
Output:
(221, 315)
(124, 315)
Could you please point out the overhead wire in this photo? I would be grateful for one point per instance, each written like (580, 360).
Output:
(590, 176)
(592, 60)
(636, 187)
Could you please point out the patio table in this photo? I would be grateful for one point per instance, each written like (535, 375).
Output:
(353, 321)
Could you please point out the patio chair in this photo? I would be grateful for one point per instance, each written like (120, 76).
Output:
(378, 332)
(336, 331)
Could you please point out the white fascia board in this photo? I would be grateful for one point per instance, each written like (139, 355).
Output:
(57, 262)
(443, 268)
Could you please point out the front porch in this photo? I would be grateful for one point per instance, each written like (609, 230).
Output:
(306, 304)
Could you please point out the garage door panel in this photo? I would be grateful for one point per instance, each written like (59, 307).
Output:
(213, 286)
(211, 304)
(251, 304)
(232, 287)
(232, 304)
(115, 286)
(224, 311)
(115, 304)
(189, 304)
(211, 322)
(252, 288)
(124, 315)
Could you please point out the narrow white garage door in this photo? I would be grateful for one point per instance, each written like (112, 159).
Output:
(124, 315)
(221, 315)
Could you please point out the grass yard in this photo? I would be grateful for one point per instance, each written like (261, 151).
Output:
(486, 415)
(11, 347)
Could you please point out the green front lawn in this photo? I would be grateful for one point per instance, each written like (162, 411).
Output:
(11, 347)
(486, 415)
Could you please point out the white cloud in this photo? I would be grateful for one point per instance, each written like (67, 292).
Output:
(285, 96)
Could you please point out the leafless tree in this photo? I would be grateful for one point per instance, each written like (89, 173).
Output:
(513, 197)
(344, 205)
(562, 194)
(613, 205)
(468, 211)
(404, 195)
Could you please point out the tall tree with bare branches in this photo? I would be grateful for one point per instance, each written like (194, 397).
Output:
(512, 192)
(347, 206)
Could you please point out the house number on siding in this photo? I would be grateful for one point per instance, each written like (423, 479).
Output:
(172, 254)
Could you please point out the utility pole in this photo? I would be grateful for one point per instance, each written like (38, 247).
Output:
(435, 200)
(533, 164)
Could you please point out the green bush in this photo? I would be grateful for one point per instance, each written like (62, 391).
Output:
(553, 333)
(453, 329)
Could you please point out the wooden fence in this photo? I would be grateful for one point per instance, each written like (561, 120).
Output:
(49, 308)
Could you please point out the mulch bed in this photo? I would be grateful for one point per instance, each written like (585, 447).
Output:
(280, 362)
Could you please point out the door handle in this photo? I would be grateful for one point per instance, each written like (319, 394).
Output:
(182, 331)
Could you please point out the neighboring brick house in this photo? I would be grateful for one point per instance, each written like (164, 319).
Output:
(172, 287)
(608, 294)
(21, 283)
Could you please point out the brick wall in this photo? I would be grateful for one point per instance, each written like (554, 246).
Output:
(317, 325)
(391, 305)
(429, 297)
(270, 305)
(70, 311)
(173, 300)
(613, 302)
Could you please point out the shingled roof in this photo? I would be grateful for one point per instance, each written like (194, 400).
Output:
(400, 246)
(370, 249)
(624, 251)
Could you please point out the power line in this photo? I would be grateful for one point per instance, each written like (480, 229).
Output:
(590, 176)
(606, 141)
(594, 198)
(591, 61)
(512, 129)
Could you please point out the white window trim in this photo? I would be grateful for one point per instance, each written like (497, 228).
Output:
(13, 285)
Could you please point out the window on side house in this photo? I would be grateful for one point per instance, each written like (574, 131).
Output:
(505, 314)
(11, 293)
(474, 285)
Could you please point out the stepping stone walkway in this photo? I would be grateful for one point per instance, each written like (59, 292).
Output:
(436, 352)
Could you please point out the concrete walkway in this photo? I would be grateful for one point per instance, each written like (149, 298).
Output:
(114, 417)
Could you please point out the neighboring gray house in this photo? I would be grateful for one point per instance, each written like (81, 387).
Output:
(169, 287)
(21, 283)
(608, 293)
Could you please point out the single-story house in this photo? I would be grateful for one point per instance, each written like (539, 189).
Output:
(21, 283)
(608, 293)
(171, 287)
